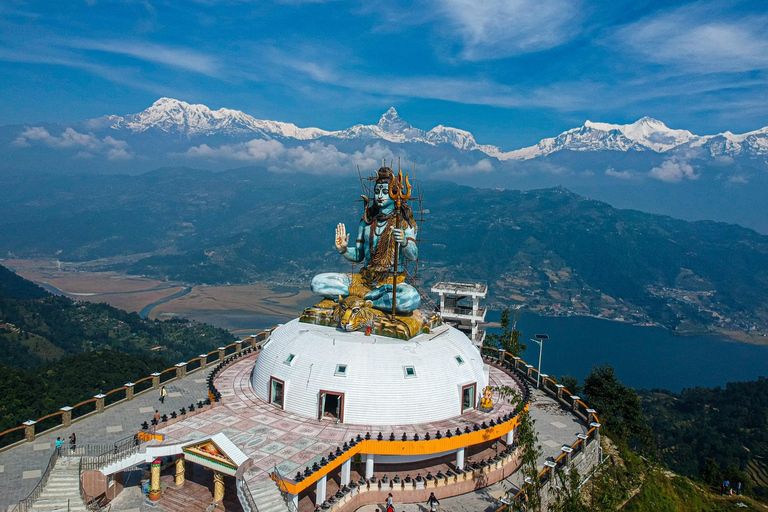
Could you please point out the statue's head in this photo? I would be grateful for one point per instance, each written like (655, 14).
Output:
(381, 188)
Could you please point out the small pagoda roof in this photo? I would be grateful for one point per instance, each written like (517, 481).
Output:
(466, 289)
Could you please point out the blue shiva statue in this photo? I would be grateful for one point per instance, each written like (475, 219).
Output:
(375, 248)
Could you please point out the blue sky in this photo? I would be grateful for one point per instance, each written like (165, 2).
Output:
(512, 72)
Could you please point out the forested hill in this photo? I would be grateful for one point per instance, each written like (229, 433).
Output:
(13, 286)
(552, 250)
(705, 431)
(39, 327)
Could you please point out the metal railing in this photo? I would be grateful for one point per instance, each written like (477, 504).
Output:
(25, 504)
(245, 495)
(90, 502)
(284, 491)
(98, 456)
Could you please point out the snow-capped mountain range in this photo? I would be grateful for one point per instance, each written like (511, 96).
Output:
(647, 134)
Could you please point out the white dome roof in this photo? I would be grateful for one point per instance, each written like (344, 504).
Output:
(377, 389)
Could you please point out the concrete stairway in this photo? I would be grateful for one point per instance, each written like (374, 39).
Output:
(62, 491)
(267, 497)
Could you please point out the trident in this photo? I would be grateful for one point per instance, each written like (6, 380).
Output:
(399, 191)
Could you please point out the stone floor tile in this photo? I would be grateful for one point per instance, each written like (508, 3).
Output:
(32, 473)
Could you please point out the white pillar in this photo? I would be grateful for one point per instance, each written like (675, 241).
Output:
(295, 500)
(320, 492)
(510, 437)
(346, 468)
(368, 465)
(460, 458)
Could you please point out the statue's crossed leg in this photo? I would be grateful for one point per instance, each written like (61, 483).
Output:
(331, 284)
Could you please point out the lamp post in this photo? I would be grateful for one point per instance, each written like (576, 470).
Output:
(539, 340)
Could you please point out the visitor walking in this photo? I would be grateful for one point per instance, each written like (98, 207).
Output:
(389, 506)
(433, 502)
(163, 393)
(73, 442)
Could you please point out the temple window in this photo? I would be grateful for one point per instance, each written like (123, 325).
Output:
(341, 370)
(409, 371)
(289, 359)
(459, 360)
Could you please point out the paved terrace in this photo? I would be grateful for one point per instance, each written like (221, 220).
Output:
(268, 435)
(273, 438)
(21, 466)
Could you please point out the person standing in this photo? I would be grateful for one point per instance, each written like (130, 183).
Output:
(73, 442)
(163, 393)
(59, 444)
(156, 416)
(389, 505)
(433, 502)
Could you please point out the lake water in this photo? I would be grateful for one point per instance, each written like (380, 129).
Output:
(644, 357)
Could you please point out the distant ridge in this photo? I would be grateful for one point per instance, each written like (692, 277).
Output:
(168, 115)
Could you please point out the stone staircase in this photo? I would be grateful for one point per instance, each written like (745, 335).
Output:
(62, 490)
(267, 497)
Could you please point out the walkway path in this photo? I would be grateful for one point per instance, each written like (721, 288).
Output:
(21, 467)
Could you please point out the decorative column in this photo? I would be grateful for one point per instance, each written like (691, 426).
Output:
(368, 465)
(181, 370)
(575, 402)
(99, 402)
(559, 391)
(221, 354)
(528, 370)
(218, 486)
(29, 430)
(346, 468)
(179, 471)
(154, 481)
(320, 491)
(567, 450)
(66, 416)
(295, 500)
(155, 380)
(596, 426)
(129, 390)
(460, 458)
(510, 439)
(515, 360)
(238, 346)
(203, 361)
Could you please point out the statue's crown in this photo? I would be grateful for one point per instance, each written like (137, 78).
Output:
(384, 175)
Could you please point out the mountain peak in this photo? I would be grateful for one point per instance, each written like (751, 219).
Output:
(391, 122)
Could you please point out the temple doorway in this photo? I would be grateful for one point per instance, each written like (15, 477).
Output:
(331, 406)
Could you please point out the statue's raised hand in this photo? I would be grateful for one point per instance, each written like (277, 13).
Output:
(342, 238)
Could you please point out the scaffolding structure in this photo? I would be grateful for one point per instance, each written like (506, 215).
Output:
(460, 305)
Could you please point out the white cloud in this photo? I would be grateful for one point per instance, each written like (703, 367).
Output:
(453, 168)
(624, 175)
(315, 157)
(493, 29)
(182, 58)
(738, 179)
(72, 139)
(674, 170)
(700, 39)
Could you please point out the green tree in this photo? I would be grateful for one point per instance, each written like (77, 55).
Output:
(567, 491)
(509, 337)
(531, 451)
(618, 407)
(571, 383)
